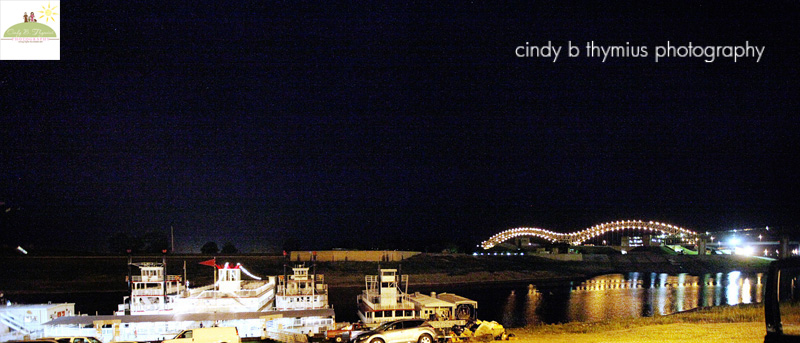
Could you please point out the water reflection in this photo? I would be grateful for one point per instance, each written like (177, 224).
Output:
(632, 295)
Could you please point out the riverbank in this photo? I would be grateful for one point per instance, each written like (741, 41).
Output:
(744, 323)
(43, 274)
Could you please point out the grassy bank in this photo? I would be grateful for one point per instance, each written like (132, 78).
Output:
(744, 323)
(727, 314)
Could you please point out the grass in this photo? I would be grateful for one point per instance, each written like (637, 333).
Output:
(727, 314)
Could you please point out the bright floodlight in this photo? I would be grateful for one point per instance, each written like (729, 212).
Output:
(734, 241)
(746, 251)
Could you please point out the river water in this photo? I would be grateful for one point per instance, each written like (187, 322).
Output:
(599, 298)
(519, 304)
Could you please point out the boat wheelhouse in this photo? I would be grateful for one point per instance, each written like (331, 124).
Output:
(152, 291)
(383, 300)
(301, 291)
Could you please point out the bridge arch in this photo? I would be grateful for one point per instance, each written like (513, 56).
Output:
(579, 237)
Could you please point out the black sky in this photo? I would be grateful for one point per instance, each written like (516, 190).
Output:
(395, 125)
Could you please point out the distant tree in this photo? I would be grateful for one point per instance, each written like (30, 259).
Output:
(451, 247)
(209, 248)
(228, 248)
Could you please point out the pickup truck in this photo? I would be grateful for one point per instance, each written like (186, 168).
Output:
(346, 333)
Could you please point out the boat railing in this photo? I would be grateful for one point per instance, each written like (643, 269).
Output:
(303, 291)
(255, 292)
(148, 292)
(155, 278)
(151, 291)
(197, 291)
(374, 299)
(282, 336)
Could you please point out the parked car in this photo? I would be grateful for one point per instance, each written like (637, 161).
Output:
(73, 339)
(207, 335)
(347, 333)
(400, 331)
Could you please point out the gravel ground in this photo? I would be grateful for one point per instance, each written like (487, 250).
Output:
(678, 333)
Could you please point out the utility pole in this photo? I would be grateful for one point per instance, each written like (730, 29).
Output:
(185, 281)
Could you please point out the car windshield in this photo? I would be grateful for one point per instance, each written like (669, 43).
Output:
(385, 326)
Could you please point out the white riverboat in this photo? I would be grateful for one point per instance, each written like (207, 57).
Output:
(301, 290)
(161, 305)
(386, 298)
(154, 292)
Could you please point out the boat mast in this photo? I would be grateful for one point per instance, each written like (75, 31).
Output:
(130, 282)
(164, 278)
(314, 277)
(185, 289)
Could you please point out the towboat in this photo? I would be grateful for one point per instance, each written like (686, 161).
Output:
(386, 298)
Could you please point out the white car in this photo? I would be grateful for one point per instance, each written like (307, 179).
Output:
(400, 331)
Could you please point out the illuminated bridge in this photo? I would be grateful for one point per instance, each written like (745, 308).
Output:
(579, 237)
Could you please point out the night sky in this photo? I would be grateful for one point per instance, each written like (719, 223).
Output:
(402, 126)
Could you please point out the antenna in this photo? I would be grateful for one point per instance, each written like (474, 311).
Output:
(172, 236)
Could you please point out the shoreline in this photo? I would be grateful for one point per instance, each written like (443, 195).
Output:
(104, 275)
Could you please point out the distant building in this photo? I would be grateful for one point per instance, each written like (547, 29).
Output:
(353, 255)
(641, 241)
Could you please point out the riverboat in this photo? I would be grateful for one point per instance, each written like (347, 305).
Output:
(155, 292)
(386, 298)
(161, 305)
(301, 290)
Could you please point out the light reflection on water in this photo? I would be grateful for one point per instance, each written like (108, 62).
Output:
(632, 295)
(516, 305)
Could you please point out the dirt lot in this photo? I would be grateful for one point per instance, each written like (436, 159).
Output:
(677, 333)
